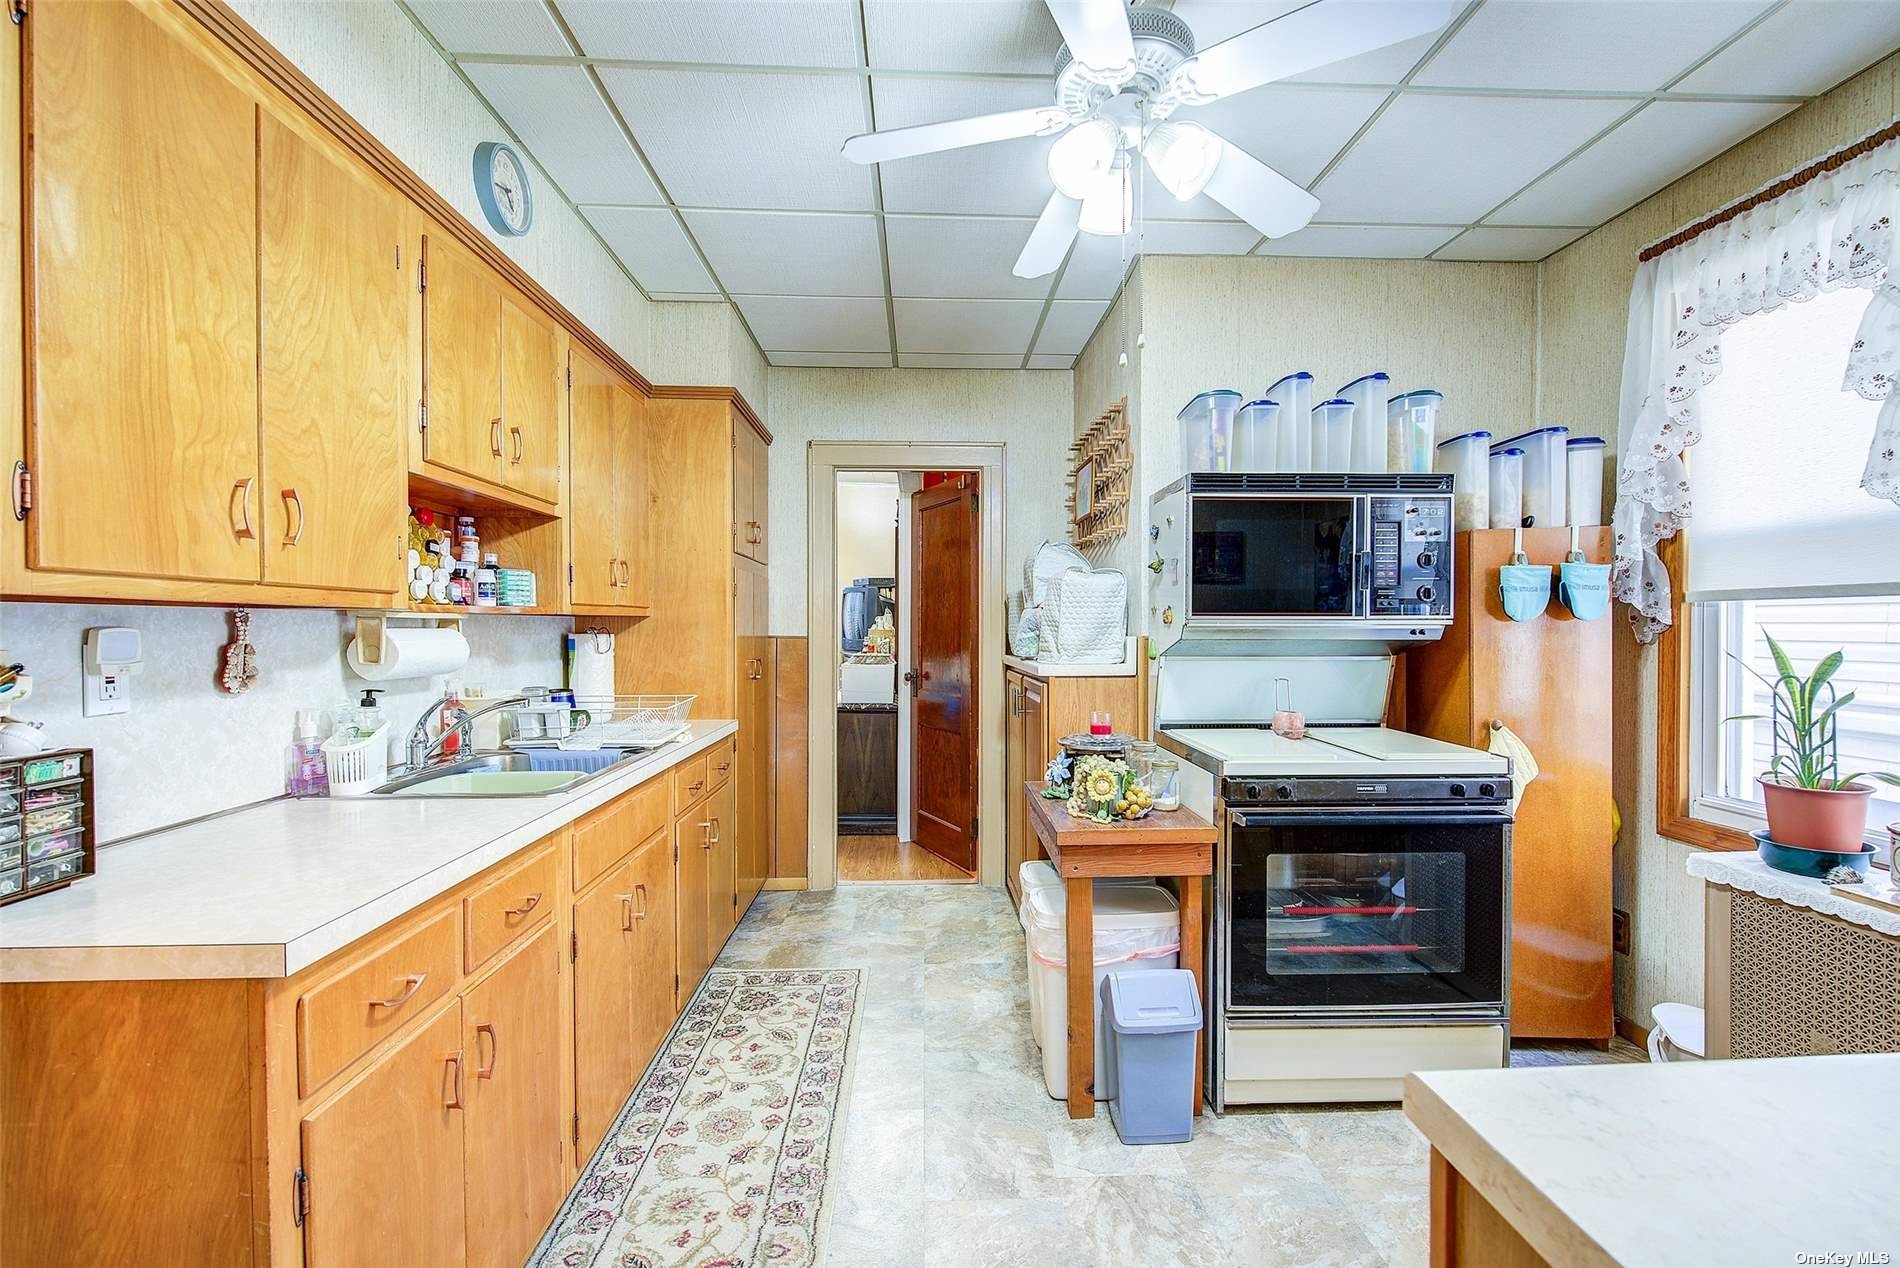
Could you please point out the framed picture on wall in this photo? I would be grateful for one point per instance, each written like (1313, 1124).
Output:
(1085, 489)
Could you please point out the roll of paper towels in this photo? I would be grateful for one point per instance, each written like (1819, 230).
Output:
(409, 653)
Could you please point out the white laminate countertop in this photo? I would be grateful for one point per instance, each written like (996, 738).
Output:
(1123, 668)
(1701, 1162)
(271, 890)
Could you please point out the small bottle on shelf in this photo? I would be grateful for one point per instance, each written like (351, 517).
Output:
(487, 591)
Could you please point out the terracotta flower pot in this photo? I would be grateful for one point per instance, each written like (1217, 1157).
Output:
(1817, 818)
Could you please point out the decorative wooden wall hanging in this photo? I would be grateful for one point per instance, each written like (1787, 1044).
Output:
(1101, 478)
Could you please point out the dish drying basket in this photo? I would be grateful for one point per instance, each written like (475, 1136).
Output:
(355, 766)
(612, 722)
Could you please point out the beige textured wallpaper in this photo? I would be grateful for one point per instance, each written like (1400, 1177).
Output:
(705, 343)
(1585, 303)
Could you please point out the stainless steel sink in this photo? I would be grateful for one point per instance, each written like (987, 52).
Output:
(501, 774)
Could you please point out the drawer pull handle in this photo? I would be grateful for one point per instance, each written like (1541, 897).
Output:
(414, 981)
(494, 1050)
(293, 502)
(626, 913)
(454, 1062)
(641, 914)
(533, 901)
(242, 492)
(695, 786)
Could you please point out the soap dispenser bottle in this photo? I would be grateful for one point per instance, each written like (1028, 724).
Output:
(453, 712)
(369, 714)
(305, 773)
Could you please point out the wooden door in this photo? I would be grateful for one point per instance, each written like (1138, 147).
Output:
(532, 383)
(603, 952)
(655, 947)
(1036, 754)
(461, 362)
(722, 886)
(593, 509)
(511, 1035)
(743, 487)
(631, 493)
(332, 288)
(142, 302)
(385, 1158)
(1015, 772)
(943, 656)
(692, 839)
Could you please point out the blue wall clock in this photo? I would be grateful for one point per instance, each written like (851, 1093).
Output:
(501, 186)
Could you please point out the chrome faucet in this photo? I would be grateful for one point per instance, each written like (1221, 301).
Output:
(422, 749)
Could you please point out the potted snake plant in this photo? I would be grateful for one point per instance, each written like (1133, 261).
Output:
(1810, 803)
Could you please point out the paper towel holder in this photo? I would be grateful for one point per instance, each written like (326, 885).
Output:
(371, 627)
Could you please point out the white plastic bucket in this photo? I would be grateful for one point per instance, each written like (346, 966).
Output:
(1295, 394)
(1207, 431)
(1583, 485)
(1257, 437)
(1466, 459)
(1368, 428)
(1332, 435)
(1412, 431)
(1546, 474)
(1507, 488)
(1035, 876)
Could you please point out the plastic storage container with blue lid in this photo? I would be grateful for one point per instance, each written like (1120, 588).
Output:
(1257, 436)
(1207, 430)
(1295, 393)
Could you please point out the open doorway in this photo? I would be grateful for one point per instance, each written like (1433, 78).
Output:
(907, 562)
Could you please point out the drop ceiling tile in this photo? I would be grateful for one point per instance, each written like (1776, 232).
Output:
(568, 131)
(958, 257)
(724, 32)
(1096, 268)
(1433, 159)
(834, 360)
(687, 297)
(1009, 36)
(791, 253)
(649, 242)
(1636, 45)
(966, 325)
(1488, 242)
(1002, 178)
(1806, 48)
(1295, 131)
(521, 27)
(1658, 145)
(960, 360)
(728, 139)
(1068, 326)
(1045, 362)
(1217, 20)
(1379, 242)
(807, 324)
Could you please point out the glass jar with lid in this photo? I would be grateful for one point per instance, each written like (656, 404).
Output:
(1141, 756)
(1164, 781)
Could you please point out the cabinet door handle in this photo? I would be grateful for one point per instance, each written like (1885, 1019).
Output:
(533, 900)
(625, 573)
(516, 433)
(715, 830)
(626, 913)
(641, 913)
(494, 436)
(494, 1050)
(706, 826)
(242, 492)
(613, 571)
(414, 981)
(454, 1062)
(292, 502)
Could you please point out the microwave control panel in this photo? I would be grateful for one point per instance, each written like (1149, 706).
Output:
(1408, 550)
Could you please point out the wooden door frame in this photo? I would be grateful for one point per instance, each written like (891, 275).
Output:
(824, 628)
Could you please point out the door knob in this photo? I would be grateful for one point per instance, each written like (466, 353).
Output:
(910, 676)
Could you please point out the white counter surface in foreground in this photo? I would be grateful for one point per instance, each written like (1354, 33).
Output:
(1715, 1162)
(270, 890)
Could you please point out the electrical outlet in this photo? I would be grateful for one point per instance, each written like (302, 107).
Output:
(110, 658)
(106, 694)
(1620, 931)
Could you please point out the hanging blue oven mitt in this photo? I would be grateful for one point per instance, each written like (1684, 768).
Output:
(1584, 587)
(1524, 587)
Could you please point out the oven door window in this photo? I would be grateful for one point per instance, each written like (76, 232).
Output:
(1366, 912)
(1273, 557)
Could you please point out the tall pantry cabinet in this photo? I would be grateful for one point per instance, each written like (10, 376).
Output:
(706, 559)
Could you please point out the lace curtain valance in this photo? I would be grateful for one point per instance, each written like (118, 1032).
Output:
(1835, 230)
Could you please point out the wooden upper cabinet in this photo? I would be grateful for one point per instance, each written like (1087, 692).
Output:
(592, 512)
(761, 466)
(461, 337)
(633, 496)
(533, 383)
(386, 1154)
(142, 302)
(334, 299)
(748, 490)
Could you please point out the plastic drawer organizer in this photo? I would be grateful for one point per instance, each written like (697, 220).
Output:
(46, 822)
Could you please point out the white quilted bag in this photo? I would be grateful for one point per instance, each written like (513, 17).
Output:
(1022, 627)
(1045, 568)
(1085, 619)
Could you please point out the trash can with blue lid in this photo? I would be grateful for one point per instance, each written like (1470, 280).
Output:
(1148, 1079)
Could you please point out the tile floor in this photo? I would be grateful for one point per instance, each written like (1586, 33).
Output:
(955, 1155)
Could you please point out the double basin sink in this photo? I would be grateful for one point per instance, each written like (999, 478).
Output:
(508, 774)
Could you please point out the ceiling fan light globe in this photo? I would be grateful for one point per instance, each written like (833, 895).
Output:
(1183, 157)
(1085, 154)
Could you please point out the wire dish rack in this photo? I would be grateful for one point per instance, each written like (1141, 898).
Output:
(602, 722)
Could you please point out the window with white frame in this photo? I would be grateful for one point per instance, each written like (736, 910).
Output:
(1784, 543)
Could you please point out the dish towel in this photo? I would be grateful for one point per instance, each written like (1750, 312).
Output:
(1504, 743)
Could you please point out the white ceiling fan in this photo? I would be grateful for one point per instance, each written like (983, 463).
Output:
(1120, 76)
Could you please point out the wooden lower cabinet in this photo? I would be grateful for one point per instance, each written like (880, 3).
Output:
(693, 844)
(655, 946)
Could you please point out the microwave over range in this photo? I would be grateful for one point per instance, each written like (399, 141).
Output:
(1313, 556)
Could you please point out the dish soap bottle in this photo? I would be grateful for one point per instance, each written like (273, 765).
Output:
(452, 714)
(305, 774)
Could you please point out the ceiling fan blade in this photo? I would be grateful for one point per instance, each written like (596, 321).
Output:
(1259, 195)
(1096, 32)
(1322, 33)
(929, 138)
(1049, 241)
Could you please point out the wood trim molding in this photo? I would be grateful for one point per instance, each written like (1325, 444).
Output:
(689, 392)
(1673, 677)
(243, 41)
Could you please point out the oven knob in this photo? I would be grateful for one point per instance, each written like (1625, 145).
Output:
(1457, 790)
(1283, 791)
(1253, 792)
(1426, 594)
(1487, 790)
(1426, 559)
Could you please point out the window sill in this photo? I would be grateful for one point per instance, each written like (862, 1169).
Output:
(1702, 834)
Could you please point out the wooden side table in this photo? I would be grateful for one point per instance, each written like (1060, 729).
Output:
(1177, 843)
